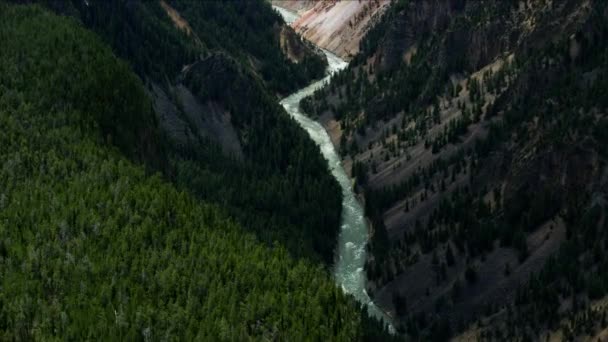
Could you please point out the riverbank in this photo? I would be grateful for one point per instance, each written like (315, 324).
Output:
(351, 250)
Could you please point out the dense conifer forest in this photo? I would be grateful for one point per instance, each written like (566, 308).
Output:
(108, 229)
(282, 189)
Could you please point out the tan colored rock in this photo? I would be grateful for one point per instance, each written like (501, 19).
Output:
(335, 25)
(298, 6)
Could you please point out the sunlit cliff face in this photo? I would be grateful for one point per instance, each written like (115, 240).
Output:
(337, 26)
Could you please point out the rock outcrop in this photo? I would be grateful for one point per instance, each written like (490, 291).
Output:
(334, 25)
(294, 47)
(297, 6)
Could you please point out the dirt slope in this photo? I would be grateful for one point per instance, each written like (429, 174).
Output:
(335, 25)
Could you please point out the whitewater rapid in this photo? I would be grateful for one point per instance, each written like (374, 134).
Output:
(289, 16)
(350, 258)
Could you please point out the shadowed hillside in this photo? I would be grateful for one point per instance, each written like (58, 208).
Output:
(475, 132)
(92, 246)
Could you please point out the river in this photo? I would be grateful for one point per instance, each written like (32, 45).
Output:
(351, 253)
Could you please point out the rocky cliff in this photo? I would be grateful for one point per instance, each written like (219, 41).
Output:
(334, 25)
(297, 6)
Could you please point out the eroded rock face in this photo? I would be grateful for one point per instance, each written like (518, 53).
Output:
(515, 27)
(558, 178)
(335, 25)
(294, 47)
(190, 119)
(416, 20)
(419, 19)
(297, 6)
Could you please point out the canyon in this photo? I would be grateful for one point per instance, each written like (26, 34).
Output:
(335, 25)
